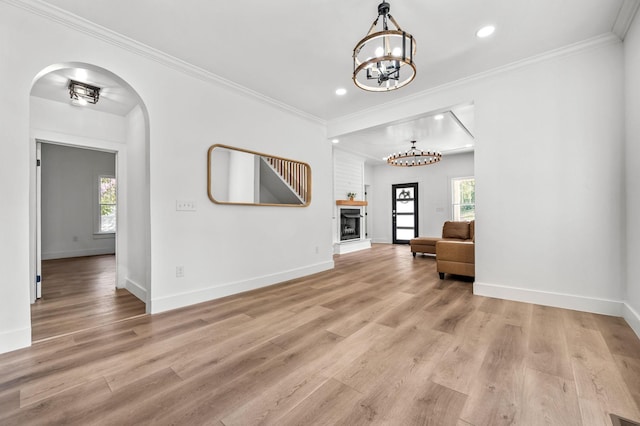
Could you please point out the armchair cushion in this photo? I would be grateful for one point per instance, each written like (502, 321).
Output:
(457, 230)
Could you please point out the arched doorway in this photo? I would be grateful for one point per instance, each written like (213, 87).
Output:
(116, 124)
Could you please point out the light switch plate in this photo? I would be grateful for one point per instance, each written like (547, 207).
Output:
(185, 206)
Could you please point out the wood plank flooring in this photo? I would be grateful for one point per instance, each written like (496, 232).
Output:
(79, 293)
(378, 340)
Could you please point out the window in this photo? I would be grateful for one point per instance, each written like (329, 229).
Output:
(107, 204)
(464, 198)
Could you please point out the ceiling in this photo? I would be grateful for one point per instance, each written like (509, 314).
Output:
(114, 98)
(299, 52)
(449, 132)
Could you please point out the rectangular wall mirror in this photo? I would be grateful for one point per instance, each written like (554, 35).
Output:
(240, 176)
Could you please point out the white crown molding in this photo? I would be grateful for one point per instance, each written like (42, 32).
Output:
(77, 23)
(626, 14)
(594, 42)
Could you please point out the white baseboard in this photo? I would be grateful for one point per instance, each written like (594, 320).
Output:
(180, 300)
(547, 298)
(76, 253)
(632, 317)
(380, 241)
(136, 289)
(15, 339)
(351, 246)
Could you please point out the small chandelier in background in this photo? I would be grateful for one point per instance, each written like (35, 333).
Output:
(82, 93)
(383, 60)
(414, 157)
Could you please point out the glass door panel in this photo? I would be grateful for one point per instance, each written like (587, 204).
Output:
(404, 212)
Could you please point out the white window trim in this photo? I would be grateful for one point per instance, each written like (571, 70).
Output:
(452, 191)
(97, 233)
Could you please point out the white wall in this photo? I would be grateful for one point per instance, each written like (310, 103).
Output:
(549, 181)
(58, 120)
(434, 194)
(69, 201)
(348, 175)
(134, 224)
(632, 155)
(223, 249)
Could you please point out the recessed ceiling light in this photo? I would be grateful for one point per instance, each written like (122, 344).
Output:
(438, 117)
(485, 31)
(335, 140)
(341, 91)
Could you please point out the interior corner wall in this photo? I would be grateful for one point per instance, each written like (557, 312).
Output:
(15, 321)
(222, 249)
(549, 175)
(69, 196)
(434, 194)
(134, 274)
(632, 155)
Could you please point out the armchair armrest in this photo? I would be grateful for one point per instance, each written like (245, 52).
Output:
(455, 257)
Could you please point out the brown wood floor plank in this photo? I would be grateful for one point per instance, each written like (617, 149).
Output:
(431, 402)
(596, 375)
(214, 399)
(289, 391)
(80, 293)
(619, 337)
(630, 370)
(517, 313)
(324, 406)
(459, 366)
(548, 350)
(378, 340)
(392, 390)
(261, 331)
(66, 407)
(549, 399)
(372, 313)
(495, 397)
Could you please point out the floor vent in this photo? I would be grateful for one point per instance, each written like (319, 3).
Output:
(621, 421)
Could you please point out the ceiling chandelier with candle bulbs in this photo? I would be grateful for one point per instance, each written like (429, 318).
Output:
(414, 157)
(383, 59)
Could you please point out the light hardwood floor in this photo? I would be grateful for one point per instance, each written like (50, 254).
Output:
(378, 340)
(79, 293)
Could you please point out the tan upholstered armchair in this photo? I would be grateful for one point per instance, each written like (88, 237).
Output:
(457, 256)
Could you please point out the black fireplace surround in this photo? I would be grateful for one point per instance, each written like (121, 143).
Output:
(349, 224)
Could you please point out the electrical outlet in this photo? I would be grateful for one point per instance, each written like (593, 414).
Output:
(185, 206)
(179, 271)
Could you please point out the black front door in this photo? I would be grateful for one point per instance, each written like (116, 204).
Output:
(404, 212)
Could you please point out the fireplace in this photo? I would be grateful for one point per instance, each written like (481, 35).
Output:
(350, 224)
